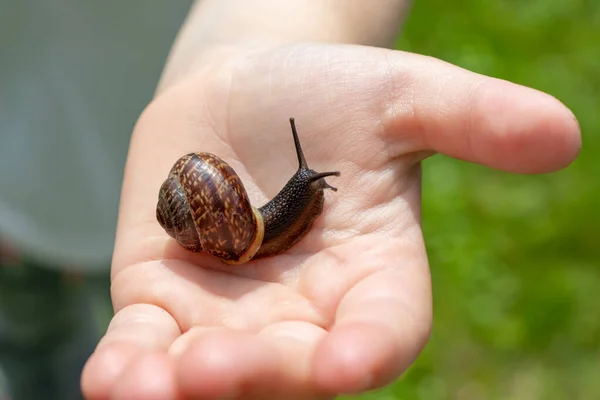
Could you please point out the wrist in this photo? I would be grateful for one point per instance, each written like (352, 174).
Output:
(217, 26)
(205, 61)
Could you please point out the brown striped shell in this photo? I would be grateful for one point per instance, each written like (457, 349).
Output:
(204, 206)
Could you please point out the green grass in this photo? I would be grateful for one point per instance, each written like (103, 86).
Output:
(515, 268)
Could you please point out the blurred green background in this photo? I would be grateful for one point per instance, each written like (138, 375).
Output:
(515, 268)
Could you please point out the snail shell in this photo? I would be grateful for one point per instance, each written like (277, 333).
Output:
(204, 206)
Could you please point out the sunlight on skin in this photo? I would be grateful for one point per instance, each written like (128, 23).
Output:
(349, 307)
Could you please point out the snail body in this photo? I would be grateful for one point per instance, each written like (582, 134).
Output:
(204, 206)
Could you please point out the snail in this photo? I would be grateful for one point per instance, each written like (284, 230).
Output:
(204, 206)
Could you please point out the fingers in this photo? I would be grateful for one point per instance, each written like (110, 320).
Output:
(127, 353)
(143, 356)
(148, 377)
(223, 363)
(479, 119)
(381, 326)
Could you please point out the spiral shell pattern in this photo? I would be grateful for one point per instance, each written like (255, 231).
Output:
(204, 206)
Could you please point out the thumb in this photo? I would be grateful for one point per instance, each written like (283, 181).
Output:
(412, 102)
(480, 119)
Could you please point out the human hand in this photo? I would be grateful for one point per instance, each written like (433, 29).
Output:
(349, 307)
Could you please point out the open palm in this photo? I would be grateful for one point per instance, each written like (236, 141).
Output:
(349, 307)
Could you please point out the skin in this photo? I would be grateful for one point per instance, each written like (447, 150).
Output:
(349, 307)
